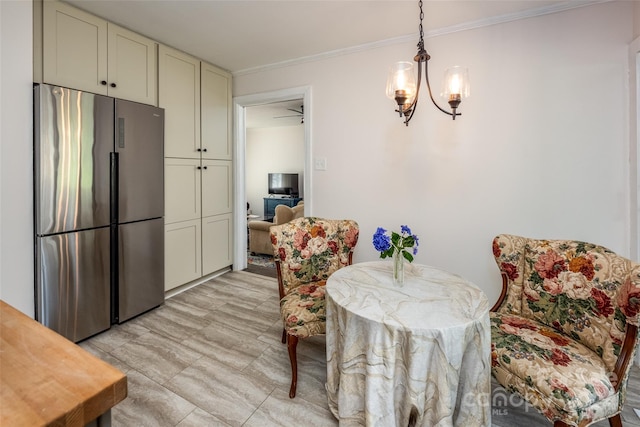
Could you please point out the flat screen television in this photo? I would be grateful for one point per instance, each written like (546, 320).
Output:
(283, 184)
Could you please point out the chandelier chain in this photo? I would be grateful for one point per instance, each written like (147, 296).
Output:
(421, 41)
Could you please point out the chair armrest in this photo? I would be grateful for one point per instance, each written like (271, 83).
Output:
(626, 355)
(503, 293)
(260, 225)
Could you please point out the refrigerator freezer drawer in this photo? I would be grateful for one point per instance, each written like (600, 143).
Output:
(140, 267)
(73, 283)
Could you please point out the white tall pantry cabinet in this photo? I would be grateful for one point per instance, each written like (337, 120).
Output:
(76, 49)
(196, 97)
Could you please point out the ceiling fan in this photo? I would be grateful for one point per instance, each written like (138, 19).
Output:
(299, 113)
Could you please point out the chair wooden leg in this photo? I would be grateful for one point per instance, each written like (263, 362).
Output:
(284, 336)
(292, 343)
(615, 421)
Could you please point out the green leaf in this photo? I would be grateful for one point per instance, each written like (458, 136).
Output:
(620, 319)
(536, 279)
(599, 351)
(616, 348)
(408, 242)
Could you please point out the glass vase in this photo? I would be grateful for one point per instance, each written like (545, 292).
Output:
(398, 269)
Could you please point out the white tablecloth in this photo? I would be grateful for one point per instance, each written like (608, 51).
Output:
(420, 350)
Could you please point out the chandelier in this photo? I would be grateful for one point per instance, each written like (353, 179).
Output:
(401, 83)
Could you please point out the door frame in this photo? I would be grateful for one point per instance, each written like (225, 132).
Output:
(240, 103)
(634, 151)
(634, 148)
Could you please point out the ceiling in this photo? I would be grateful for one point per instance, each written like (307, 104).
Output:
(276, 114)
(241, 35)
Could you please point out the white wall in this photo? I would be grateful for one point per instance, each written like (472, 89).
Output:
(541, 149)
(277, 149)
(636, 21)
(16, 164)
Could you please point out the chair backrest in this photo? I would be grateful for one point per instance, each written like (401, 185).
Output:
(310, 249)
(284, 213)
(583, 290)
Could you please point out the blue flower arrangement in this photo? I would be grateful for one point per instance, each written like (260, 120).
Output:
(399, 243)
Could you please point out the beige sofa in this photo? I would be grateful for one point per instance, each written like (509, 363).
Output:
(259, 236)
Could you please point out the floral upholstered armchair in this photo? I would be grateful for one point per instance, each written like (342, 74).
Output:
(307, 251)
(564, 330)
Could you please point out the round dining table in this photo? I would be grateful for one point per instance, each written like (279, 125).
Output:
(415, 354)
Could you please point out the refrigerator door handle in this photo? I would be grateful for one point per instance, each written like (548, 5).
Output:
(115, 184)
(120, 132)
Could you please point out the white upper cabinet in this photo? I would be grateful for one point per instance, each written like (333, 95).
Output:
(132, 66)
(84, 52)
(215, 113)
(74, 48)
(179, 87)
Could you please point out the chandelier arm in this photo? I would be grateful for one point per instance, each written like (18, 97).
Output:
(408, 117)
(414, 103)
(426, 77)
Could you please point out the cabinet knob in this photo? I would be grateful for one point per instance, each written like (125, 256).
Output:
(198, 149)
(204, 149)
(103, 82)
(198, 167)
(112, 85)
(204, 167)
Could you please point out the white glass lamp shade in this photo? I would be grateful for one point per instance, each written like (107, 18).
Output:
(456, 83)
(401, 82)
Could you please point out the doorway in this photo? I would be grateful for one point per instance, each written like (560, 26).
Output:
(240, 105)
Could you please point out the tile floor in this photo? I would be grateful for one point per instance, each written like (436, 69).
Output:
(212, 356)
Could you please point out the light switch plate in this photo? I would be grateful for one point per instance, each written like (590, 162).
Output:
(320, 164)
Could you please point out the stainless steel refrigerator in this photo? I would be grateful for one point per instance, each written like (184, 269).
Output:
(99, 207)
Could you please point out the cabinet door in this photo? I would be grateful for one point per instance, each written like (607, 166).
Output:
(269, 207)
(74, 48)
(182, 200)
(216, 187)
(132, 66)
(217, 243)
(183, 253)
(215, 113)
(179, 95)
(270, 204)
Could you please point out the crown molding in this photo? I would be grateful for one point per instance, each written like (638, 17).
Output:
(500, 19)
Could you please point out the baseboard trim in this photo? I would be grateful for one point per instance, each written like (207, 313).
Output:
(180, 289)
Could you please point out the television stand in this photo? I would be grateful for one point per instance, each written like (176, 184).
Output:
(270, 204)
(283, 196)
